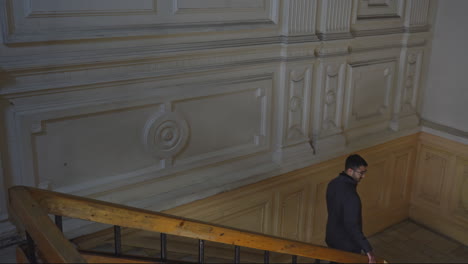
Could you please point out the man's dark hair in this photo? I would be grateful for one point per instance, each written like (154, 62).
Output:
(355, 161)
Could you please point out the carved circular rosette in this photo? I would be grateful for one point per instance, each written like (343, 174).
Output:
(165, 134)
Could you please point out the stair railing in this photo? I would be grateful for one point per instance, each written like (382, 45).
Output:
(31, 208)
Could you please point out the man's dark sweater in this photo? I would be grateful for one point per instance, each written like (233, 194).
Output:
(344, 224)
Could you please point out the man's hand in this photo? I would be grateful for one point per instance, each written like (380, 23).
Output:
(371, 257)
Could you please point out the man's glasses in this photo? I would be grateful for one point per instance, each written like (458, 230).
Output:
(361, 172)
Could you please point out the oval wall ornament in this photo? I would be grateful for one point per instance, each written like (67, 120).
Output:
(165, 134)
(295, 104)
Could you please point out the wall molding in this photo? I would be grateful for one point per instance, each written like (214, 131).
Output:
(38, 63)
(450, 132)
(374, 32)
(28, 79)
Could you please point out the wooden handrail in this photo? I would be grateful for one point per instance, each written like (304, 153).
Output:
(50, 241)
(114, 214)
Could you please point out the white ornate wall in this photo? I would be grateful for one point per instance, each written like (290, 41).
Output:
(155, 103)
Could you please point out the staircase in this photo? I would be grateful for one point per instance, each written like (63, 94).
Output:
(158, 237)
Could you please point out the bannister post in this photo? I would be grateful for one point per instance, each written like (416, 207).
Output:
(266, 257)
(31, 249)
(236, 254)
(163, 247)
(201, 251)
(58, 222)
(117, 241)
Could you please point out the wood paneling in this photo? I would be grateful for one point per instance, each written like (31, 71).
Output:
(298, 198)
(401, 180)
(459, 196)
(292, 208)
(439, 194)
(253, 218)
(432, 171)
(319, 209)
(372, 187)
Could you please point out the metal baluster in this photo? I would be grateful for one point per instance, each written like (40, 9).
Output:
(294, 259)
(317, 261)
(163, 247)
(31, 249)
(117, 241)
(58, 222)
(237, 255)
(266, 257)
(201, 251)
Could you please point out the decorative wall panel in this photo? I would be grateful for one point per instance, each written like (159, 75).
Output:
(299, 16)
(377, 17)
(432, 176)
(331, 99)
(334, 19)
(373, 187)
(418, 14)
(123, 139)
(440, 188)
(254, 218)
(292, 212)
(412, 82)
(298, 93)
(460, 192)
(51, 20)
(213, 5)
(368, 97)
(238, 208)
(401, 178)
(51, 8)
(320, 213)
(379, 9)
(79, 148)
(226, 125)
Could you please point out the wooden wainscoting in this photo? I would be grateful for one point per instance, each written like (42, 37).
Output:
(293, 205)
(440, 190)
